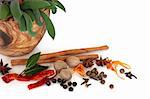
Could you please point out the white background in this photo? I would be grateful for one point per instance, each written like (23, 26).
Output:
(124, 25)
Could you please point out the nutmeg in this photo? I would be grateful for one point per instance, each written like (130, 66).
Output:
(73, 61)
(58, 65)
(65, 74)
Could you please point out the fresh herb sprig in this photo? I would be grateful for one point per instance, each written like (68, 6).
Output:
(32, 67)
(29, 11)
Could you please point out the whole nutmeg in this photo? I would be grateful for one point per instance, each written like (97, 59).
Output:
(73, 61)
(65, 74)
(59, 65)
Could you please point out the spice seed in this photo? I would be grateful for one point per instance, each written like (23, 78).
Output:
(102, 73)
(59, 80)
(102, 81)
(111, 86)
(53, 80)
(88, 73)
(48, 83)
(69, 83)
(122, 71)
(65, 86)
(74, 84)
(105, 76)
(70, 89)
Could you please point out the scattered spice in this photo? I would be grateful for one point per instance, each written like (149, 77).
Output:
(71, 89)
(4, 69)
(87, 85)
(122, 71)
(88, 63)
(102, 62)
(85, 81)
(111, 86)
(80, 69)
(130, 75)
(102, 81)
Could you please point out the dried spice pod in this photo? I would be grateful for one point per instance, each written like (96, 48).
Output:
(88, 63)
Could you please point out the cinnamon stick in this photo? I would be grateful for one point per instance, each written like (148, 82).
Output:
(55, 55)
(23, 61)
(73, 52)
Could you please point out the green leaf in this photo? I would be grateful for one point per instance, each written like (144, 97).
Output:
(4, 11)
(15, 10)
(53, 7)
(37, 68)
(31, 14)
(49, 25)
(29, 24)
(60, 5)
(22, 24)
(37, 16)
(35, 4)
(32, 61)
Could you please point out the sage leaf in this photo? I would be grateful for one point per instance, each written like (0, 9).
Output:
(60, 5)
(32, 61)
(37, 17)
(29, 24)
(37, 68)
(4, 11)
(15, 10)
(49, 25)
(35, 4)
(22, 24)
(31, 14)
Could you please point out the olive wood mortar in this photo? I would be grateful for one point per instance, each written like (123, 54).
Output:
(13, 42)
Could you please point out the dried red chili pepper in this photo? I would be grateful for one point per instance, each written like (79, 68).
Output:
(9, 77)
(23, 78)
(43, 74)
(38, 84)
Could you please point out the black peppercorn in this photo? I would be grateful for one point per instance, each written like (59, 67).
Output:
(59, 80)
(122, 71)
(48, 83)
(104, 76)
(65, 86)
(69, 83)
(74, 84)
(102, 81)
(53, 80)
(70, 89)
(111, 86)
